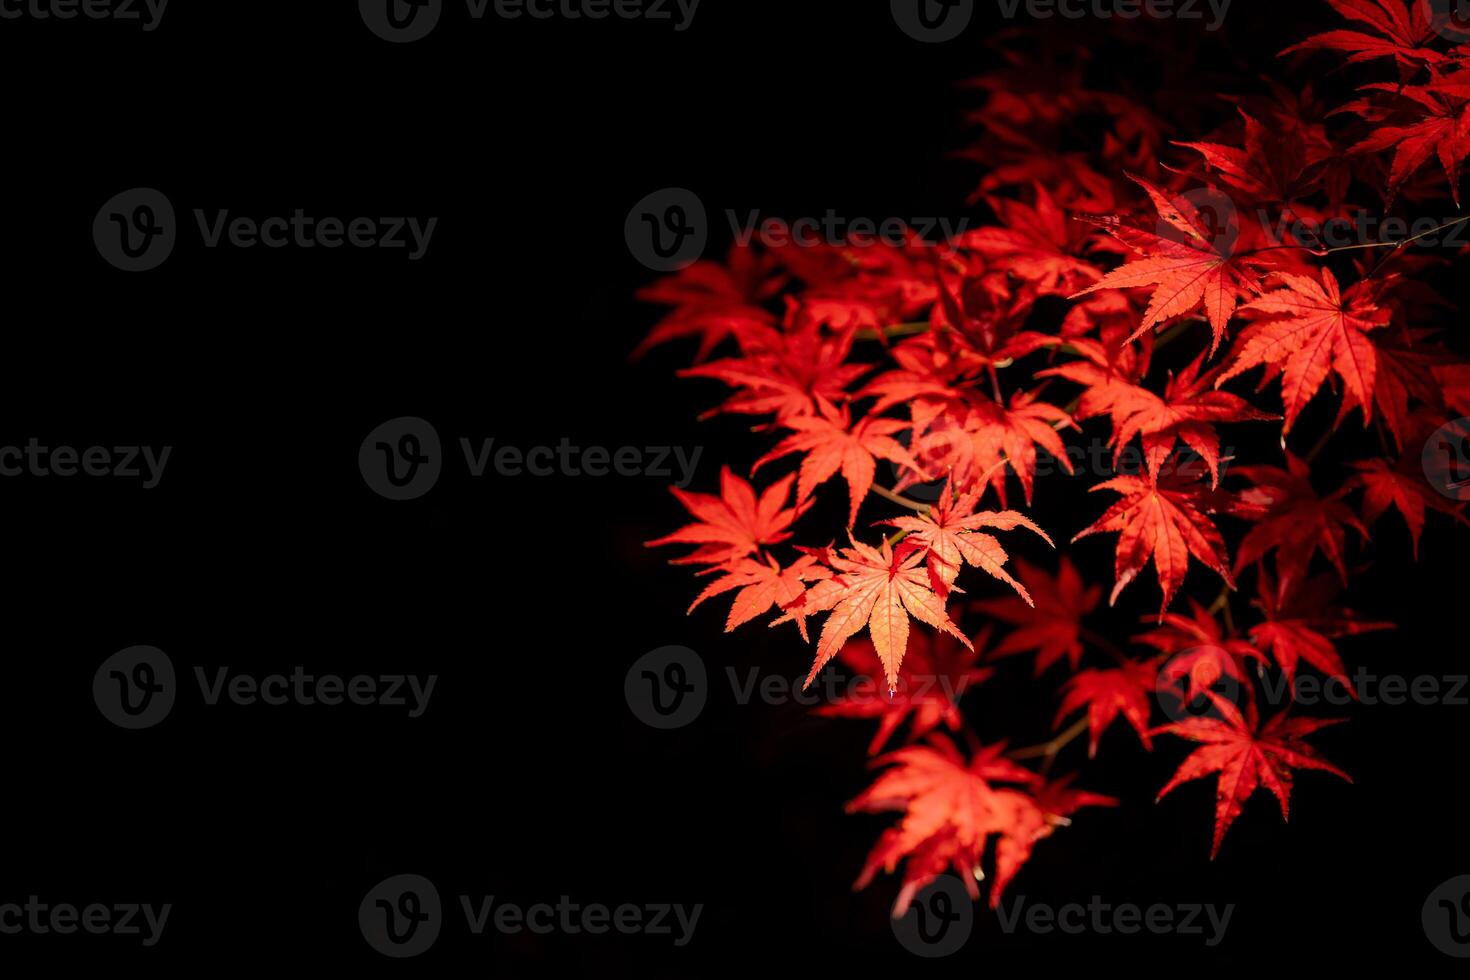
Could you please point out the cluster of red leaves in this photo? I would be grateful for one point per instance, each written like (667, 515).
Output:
(954, 365)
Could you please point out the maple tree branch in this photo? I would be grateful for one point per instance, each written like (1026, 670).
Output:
(1103, 643)
(1321, 444)
(900, 499)
(1047, 751)
(894, 330)
(1398, 244)
(1222, 604)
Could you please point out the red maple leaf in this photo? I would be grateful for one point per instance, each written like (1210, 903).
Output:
(1160, 519)
(784, 372)
(832, 442)
(1301, 625)
(1246, 756)
(1039, 244)
(936, 672)
(1108, 693)
(950, 535)
(712, 301)
(762, 585)
(951, 809)
(734, 524)
(978, 439)
(1273, 166)
(1197, 267)
(1186, 412)
(1313, 330)
(1402, 31)
(1402, 487)
(1050, 625)
(1295, 522)
(1199, 651)
(1443, 134)
(877, 588)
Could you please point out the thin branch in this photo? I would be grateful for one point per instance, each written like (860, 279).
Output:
(900, 499)
(1047, 751)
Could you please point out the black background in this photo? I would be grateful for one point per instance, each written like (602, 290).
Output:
(528, 778)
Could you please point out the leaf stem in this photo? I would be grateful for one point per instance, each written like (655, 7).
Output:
(1047, 751)
(900, 499)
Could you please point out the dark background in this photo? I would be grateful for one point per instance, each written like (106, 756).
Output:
(528, 778)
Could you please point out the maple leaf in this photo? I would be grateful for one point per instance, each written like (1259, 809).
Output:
(734, 524)
(1199, 651)
(1050, 625)
(1443, 134)
(951, 809)
(1403, 31)
(831, 442)
(713, 301)
(1314, 329)
(949, 534)
(1037, 244)
(973, 440)
(1295, 522)
(1185, 413)
(1246, 756)
(1300, 626)
(1159, 519)
(1403, 488)
(1273, 165)
(784, 373)
(877, 588)
(1108, 693)
(762, 585)
(1200, 268)
(937, 670)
